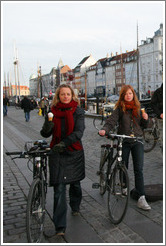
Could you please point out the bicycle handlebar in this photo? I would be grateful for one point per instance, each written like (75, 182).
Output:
(14, 153)
(24, 154)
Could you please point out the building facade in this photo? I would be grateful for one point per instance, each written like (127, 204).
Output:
(151, 62)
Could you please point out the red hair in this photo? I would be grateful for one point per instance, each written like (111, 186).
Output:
(121, 102)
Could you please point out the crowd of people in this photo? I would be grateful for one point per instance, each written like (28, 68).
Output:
(67, 160)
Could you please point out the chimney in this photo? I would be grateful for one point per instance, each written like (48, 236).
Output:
(116, 53)
(112, 54)
(126, 51)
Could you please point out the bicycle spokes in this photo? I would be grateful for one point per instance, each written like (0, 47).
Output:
(118, 195)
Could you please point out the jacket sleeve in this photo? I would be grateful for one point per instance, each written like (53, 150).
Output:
(79, 128)
(47, 128)
(112, 121)
(144, 123)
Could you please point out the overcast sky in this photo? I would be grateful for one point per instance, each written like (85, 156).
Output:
(44, 31)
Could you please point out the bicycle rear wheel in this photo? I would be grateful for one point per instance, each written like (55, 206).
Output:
(118, 194)
(149, 140)
(35, 212)
(103, 171)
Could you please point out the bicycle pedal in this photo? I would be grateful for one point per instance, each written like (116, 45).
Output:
(95, 185)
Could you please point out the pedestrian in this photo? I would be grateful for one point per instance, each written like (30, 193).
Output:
(42, 106)
(131, 120)
(5, 104)
(46, 105)
(157, 106)
(66, 162)
(27, 106)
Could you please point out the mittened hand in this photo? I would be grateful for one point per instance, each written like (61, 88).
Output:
(60, 147)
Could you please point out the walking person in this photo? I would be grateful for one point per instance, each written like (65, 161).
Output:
(157, 106)
(131, 120)
(27, 106)
(42, 106)
(5, 104)
(66, 162)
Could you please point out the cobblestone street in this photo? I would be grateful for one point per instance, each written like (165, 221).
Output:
(93, 224)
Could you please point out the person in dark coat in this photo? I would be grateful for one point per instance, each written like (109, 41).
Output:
(131, 120)
(5, 105)
(157, 102)
(66, 162)
(27, 106)
(157, 106)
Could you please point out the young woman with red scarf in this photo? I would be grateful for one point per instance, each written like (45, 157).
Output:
(66, 162)
(130, 121)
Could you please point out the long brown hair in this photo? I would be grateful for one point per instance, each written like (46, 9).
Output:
(56, 97)
(121, 102)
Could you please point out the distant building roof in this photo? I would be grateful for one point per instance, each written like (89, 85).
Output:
(82, 62)
(65, 69)
(32, 76)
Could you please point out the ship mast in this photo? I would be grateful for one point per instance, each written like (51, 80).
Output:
(16, 72)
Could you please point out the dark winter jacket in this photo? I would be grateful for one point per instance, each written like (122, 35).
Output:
(69, 166)
(26, 104)
(157, 101)
(125, 124)
(5, 101)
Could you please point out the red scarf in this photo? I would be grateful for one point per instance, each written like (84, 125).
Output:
(131, 106)
(66, 111)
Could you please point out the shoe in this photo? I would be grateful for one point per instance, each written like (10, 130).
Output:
(75, 213)
(124, 191)
(142, 203)
(60, 231)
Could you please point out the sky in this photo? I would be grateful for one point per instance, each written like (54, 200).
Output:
(43, 32)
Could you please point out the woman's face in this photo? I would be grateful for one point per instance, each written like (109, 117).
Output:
(65, 95)
(128, 96)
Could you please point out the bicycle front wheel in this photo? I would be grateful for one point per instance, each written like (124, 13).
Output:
(35, 212)
(149, 140)
(118, 194)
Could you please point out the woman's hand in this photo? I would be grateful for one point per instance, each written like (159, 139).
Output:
(145, 116)
(102, 132)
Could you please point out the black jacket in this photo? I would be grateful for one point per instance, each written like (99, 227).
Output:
(26, 104)
(69, 166)
(126, 126)
(157, 101)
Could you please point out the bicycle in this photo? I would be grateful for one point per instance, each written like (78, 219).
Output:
(113, 177)
(17, 105)
(151, 135)
(37, 153)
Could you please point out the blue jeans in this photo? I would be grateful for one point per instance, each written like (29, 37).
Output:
(27, 116)
(60, 204)
(4, 110)
(137, 152)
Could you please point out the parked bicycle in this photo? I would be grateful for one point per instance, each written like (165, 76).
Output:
(36, 153)
(151, 134)
(113, 177)
(18, 105)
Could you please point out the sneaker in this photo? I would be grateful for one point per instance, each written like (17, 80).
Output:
(75, 213)
(142, 203)
(124, 191)
(60, 231)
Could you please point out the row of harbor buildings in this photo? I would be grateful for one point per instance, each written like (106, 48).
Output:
(142, 68)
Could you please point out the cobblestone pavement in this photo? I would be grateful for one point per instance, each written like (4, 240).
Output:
(138, 226)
